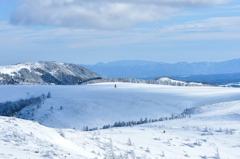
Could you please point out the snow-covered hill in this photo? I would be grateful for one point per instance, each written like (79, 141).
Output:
(45, 72)
(172, 82)
(101, 104)
(210, 133)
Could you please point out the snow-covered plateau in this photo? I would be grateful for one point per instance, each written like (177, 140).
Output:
(211, 131)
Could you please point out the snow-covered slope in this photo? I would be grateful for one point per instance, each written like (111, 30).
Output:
(172, 82)
(45, 72)
(101, 104)
(211, 133)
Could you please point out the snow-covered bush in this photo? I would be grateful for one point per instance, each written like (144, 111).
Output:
(147, 150)
(61, 132)
(129, 142)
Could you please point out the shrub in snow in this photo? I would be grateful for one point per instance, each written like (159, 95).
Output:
(147, 150)
(163, 154)
(60, 131)
(198, 143)
(220, 130)
(61, 108)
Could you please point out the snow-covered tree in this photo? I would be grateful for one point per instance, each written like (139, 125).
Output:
(126, 155)
(129, 142)
(146, 120)
(133, 155)
(217, 154)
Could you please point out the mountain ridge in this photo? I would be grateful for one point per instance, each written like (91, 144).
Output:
(156, 69)
(45, 72)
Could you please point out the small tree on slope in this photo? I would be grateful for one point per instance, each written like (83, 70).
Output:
(49, 95)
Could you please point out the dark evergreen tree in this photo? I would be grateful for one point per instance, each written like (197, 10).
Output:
(49, 95)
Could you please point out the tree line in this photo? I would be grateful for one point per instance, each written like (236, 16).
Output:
(141, 121)
(8, 108)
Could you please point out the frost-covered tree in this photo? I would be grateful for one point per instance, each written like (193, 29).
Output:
(133, 155)
(126, 155)
(217, 154)
(129, 142)
(110, 151)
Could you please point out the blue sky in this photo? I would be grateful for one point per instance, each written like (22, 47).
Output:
(87, 32)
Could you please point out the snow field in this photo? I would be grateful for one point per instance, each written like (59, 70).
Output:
(101, 104)
(214, 125)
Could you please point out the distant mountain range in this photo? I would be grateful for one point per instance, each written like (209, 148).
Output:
(44, 72)
(151, 70)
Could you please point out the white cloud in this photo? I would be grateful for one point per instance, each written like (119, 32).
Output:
(216, 25)
(219, 28)
(100, 14)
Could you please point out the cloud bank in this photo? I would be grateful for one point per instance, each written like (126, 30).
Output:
(101, 14)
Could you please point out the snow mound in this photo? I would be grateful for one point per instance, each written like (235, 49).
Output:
(169, 81)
